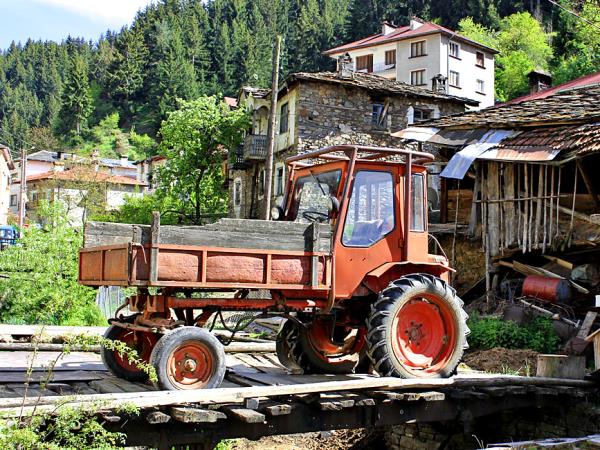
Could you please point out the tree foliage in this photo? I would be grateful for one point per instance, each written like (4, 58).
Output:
(39, 274)
(194, 140)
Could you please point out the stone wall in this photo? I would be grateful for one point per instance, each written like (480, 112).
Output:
(510, 426)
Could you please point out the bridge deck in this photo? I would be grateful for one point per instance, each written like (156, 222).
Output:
(258, 391)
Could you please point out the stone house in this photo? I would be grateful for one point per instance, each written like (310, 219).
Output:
(315, 110)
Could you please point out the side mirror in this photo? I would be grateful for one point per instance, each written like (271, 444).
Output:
(335, 205)
(276, 213)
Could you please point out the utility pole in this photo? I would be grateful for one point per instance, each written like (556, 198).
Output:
(22, 188)
(271, 135)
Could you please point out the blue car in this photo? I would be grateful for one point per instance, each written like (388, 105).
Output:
(8, 236)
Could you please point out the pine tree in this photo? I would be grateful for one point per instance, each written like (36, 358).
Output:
(76, 97)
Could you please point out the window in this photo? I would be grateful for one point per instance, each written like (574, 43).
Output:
(370, 213)
(261, 183)
(480, 59)
(312, 196)
(417, 222)
(237, 192)
(13, 200)
(454, 50)
(421, 114)
(390, 58)
(417, 78)
(480, 86)
(283, 120)
(454, 79)
(364, 63)
(418, 49)
(378, 116)
(279, 179)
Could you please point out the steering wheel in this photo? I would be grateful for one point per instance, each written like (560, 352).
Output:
(315, 216)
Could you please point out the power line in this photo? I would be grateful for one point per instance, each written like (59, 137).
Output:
(590, 23)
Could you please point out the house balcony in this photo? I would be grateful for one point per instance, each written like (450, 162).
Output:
(380, 68)
(254, 148)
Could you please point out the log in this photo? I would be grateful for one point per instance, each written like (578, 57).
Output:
(561, 366)
(245, 415)
(195, 415)
(156, 417)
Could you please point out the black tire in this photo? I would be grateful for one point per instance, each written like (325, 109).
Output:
(297, 353)
(203, 352)
(424, 293)
(119, 365)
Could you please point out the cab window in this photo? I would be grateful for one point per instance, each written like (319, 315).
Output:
(370, 213)
(417, 222)
(312, 196)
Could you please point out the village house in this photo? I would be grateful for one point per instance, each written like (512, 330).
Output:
(315, 110)
(523, 176)
(77, 181)
(428, 55)
(6, 165)
(146, 171)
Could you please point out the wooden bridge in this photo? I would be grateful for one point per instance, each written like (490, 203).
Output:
(258, 398)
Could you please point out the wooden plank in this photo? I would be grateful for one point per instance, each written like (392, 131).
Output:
(36, 377)
(493, 222)
(561, 366)
(228, 395)
(277, 409)
(509, 206)
(195, 415)
(586, 326)
(245, 415)
(154, 241)
(105, 386)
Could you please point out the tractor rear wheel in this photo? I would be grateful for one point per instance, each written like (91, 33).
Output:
(188, 358)
(118, 363)
(417, 328)
(310, 349)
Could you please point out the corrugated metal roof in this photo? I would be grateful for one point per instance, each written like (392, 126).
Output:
(459, 164)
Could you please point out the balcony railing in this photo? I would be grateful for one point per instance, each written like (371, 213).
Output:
(380, 67)
(255, 147)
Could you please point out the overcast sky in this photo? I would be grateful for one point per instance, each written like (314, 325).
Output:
(56, 19)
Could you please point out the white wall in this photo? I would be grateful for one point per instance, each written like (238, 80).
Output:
(4, 190)
(378, 53)
(469, 72)
(431, 63)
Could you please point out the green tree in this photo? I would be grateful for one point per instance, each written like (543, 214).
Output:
(76, 99)
(194, 139)
(40, 276)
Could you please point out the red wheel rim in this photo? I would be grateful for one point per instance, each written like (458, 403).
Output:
(143, 343)
(319, 337)
(191, 365)
(424, 334)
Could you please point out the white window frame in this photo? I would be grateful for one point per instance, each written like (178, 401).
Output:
(277, 192)
(481, 66)
(424, 42)
(458, 49)
(480, 84)
(457, 85)
(424, 70)
(235, 192)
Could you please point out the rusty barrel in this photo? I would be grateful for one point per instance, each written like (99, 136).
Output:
(554, 290)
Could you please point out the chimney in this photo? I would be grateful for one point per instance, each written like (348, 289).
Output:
(58, 166)
(539, 80)
(387, 28)
(345, 66)
(438, 83)
(124, 160)
(415, 23)
(95, 159)
(60, 155)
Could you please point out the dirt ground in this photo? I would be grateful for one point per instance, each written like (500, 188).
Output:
(359, 439)
(504, 361)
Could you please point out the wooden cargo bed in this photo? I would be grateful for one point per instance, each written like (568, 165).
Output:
(230, 253)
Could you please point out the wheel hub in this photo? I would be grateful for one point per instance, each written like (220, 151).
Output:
(191, 365)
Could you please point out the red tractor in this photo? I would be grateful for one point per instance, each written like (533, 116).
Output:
(345, 260)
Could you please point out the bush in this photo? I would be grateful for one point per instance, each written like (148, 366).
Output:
(537, 335)
(39, 284)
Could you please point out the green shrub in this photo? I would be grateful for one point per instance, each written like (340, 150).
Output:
(537, 335)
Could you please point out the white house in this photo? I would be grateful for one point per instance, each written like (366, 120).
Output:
(6, 165)
(428, 55)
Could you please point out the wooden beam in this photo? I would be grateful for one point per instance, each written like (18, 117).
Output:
(154, 241)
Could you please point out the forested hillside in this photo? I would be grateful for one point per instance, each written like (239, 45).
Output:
(53, 94)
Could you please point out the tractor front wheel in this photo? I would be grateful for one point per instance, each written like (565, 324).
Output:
(310, 348)
(188, 358)
(417, 328)
(118, 362)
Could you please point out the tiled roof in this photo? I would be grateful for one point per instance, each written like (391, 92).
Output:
(256, 92)
(231, 102)
(587, 80)
(376, 83)
(108, 162)
(402, 33)
(86, 175)
(48, 156)
(577, 106)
